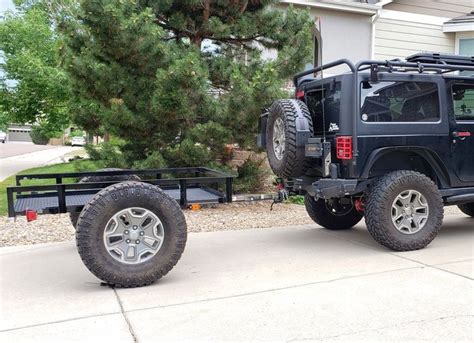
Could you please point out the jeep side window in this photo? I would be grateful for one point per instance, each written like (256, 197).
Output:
(399, 102)
(463, 101)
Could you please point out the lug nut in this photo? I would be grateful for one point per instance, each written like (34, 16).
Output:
(126, 232)
(135, 227)
(142, 233)
(128, 241)
(137, 241)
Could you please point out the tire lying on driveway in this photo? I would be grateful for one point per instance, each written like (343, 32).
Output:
(131, 234)
(467, 209)
(404, 210)
(285, 157)
(97, 178)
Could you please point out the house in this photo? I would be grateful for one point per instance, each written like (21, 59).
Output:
(388, 29)
(19, 133)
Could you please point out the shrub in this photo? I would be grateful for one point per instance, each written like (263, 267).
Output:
(39, 135)
(251, 176)
(107, 154)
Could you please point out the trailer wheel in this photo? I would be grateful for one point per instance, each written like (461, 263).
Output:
(285, 157)
(131, 234)
(75, 215)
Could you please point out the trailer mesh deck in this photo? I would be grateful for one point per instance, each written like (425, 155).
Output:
(196, 186)
(50, 203)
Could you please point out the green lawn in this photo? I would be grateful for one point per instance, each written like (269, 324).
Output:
(75, 166)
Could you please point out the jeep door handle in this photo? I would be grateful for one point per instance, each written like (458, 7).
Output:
(461, 134)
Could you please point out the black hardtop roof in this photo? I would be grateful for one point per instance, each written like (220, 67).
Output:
(429, 63)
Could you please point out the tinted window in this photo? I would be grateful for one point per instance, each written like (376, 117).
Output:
(399, 102)
(328, 97)
(463, 101)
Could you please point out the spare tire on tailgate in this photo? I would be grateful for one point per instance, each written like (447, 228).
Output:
(286, 120)
(97, 178)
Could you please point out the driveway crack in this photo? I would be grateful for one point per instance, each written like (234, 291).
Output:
(125, 317)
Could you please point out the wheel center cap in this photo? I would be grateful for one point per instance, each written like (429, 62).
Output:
(134, 235)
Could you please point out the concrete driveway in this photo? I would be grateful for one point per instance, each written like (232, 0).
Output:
(18, 156)
(285, 284)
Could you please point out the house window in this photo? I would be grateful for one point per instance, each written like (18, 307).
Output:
(466, 46)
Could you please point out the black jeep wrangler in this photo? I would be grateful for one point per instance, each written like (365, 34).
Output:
(391, 141)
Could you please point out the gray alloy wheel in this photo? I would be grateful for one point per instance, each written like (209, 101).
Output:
(279, 138)
(410, 212)
(133, 235)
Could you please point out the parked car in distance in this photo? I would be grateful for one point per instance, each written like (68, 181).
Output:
(78, 141)
(3, 137)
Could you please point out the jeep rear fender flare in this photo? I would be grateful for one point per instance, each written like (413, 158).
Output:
(428, 155)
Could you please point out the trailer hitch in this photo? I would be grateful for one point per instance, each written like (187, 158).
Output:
(282, 193)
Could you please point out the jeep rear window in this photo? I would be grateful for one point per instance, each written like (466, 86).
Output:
(399, 102)
(329, 97)
(463, 102)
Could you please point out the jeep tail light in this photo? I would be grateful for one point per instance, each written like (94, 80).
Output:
(344, 147)
(300, 95)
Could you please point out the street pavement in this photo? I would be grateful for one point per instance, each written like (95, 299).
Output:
(298, 283)
(18, 156)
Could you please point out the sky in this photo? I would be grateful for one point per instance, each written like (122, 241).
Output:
(5, 5)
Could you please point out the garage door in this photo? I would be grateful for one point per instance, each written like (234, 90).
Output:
(19, 135)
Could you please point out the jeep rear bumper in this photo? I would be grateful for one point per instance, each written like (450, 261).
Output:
(330, 188)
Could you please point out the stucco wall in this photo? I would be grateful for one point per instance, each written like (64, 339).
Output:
(344, 35)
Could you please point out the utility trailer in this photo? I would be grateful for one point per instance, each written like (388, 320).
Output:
(130, 230)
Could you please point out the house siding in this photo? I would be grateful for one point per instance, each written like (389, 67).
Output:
(439, 8)
(399, 39)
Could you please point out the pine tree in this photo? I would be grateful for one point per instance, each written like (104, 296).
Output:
(148, 72)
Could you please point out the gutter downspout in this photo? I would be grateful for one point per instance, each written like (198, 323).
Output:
(375, 17)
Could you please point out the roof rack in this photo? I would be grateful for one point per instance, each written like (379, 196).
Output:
(436, 58)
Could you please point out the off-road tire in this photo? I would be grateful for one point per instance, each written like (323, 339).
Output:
(75, 215)
(467, 209)
(320, 214)
(95, 216)
(294, 163)
(380, 197)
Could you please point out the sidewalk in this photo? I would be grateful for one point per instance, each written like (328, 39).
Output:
(281, 284)
(14, 164)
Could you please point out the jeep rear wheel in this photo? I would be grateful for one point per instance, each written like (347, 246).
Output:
(467, 209)
(336, 214)
(404, 210)
(285, 157)
(131, 234)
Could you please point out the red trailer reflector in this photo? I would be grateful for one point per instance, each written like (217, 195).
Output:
(344, 147)
(31, 215)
